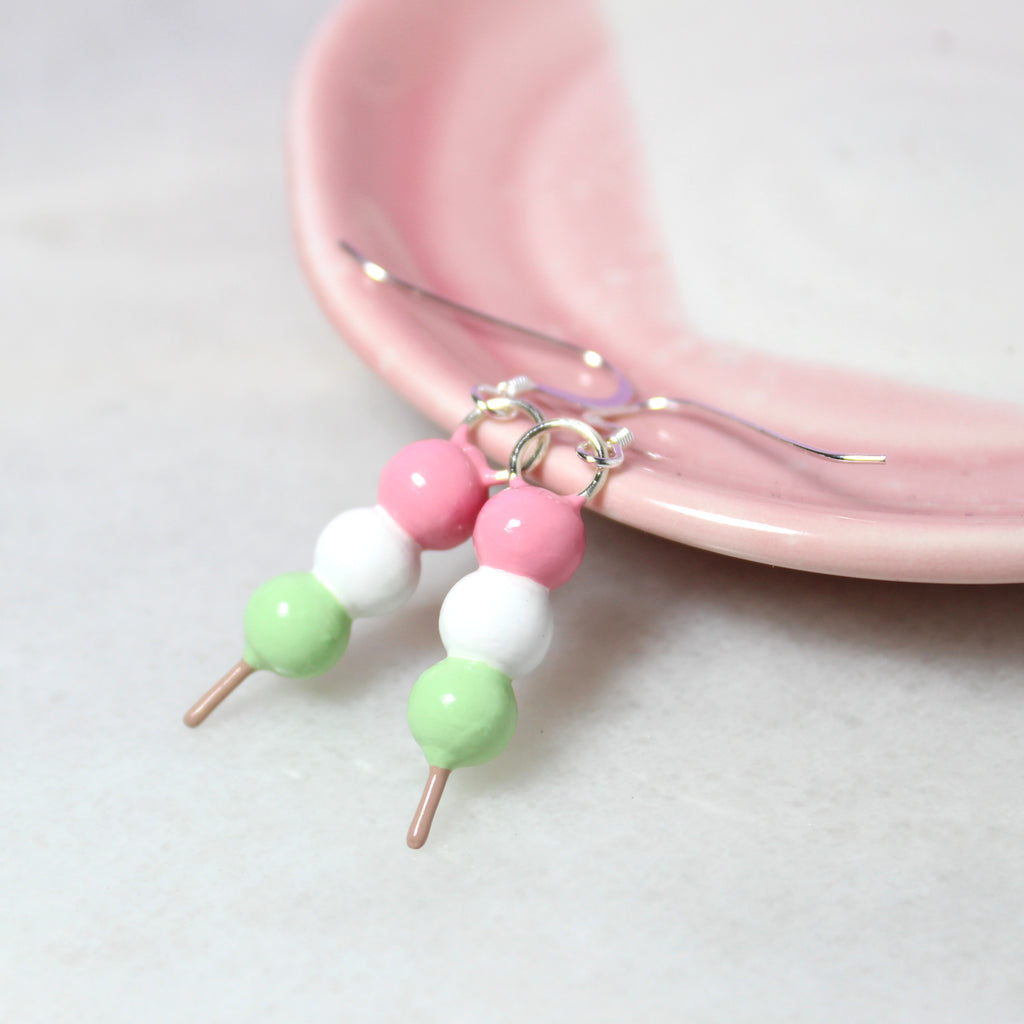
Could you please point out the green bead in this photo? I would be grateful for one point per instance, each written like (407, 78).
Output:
(462, 712)
(295, 627)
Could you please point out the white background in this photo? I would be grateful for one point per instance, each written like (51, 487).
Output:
(735, 794)
(841, 181)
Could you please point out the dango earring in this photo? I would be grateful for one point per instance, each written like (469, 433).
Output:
(496, 623)
(367, 560)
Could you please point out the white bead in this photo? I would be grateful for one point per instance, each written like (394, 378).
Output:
(498, 617)
(367, 561)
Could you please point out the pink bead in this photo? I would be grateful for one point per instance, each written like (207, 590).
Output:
(531, 532)
(434, 490)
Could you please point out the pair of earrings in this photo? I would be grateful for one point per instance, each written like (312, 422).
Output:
(495, 623)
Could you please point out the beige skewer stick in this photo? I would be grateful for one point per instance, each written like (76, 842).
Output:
(198, 713)
(424, 816)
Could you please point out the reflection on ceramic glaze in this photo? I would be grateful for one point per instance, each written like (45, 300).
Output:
(722, 520)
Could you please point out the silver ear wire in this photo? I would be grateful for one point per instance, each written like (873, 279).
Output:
(604, 417)
(597, 411)
(617, 442)
(588, 357)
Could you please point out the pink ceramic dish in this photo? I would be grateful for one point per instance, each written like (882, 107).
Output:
(485, 151)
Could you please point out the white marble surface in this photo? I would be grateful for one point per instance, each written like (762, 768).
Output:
(736, 793)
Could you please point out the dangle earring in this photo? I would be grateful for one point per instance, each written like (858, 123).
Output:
(496, 623)
(367, 560)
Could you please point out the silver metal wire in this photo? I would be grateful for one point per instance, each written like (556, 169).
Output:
(603, 417)
(496, 403)
(589, 357)
(591, 439)
(597, 411)
(617, 444)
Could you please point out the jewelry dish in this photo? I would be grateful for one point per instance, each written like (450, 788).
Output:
(488, 153)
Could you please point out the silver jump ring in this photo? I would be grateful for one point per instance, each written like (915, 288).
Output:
(616, 443)
(498, 404)
(612, 461)
(590, 436)
(492, 402)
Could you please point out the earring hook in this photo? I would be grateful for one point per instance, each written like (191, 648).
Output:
(590, 358)
(598, 411)
(675, 405)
